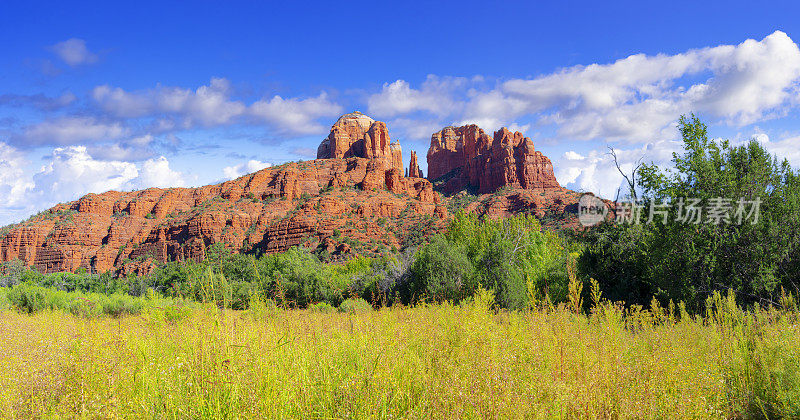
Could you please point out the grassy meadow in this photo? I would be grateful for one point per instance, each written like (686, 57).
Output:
(427, 361)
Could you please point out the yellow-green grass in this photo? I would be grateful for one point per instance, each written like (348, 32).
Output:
(424, 362)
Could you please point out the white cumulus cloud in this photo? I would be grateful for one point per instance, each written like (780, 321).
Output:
(157, 173)
(74, 52)
(212, 105)
(433, 96)
(69, 173)
(208, 105)
(131, 149)
(14, 183)
(296, 116)
(635, 99)
(235, 171)
(72, 172)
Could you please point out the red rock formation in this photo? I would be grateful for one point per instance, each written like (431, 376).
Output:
(358, 189)
(413, 167)
(448, 152)
(357, 135)
(461, 157)
(272, 210)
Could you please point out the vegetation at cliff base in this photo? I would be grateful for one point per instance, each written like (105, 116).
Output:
(514, 257)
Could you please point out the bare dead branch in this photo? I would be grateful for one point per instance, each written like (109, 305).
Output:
(631, 180)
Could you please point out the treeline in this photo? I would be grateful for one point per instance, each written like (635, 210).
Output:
(661, 258)
(514, 257)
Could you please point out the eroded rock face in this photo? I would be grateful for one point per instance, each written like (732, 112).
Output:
(357, 135)
(270, 210)
(467, 157)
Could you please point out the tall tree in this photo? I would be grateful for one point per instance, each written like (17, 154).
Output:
(747, 239)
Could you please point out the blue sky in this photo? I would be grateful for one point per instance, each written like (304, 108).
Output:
(97, 96)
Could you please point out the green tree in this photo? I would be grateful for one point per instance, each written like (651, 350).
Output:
(685, 261)
(442, 271)
(504, 256)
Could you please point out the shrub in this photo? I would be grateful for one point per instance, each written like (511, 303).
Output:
(31, 299)
(321, 307)
(240, 267)
(297, 278)
(355, 306)
(387, 275)
(11, 272)
(506, 256)
(119, 305)
(442, 271)
(85, 307)
(240, 294)
(171, 279)
(4, 303)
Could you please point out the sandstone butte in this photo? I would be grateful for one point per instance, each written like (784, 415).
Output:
(353, 199)
(466, 157)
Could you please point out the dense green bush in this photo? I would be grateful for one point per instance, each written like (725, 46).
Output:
(171, 279)
(15, 272)
(442, 271)
(355, 306)
(32, 298)
(297, 277)
(379, 283)
(322, 307)
(294, 278)
(512, 257)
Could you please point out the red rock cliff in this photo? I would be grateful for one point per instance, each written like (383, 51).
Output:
(357, 180)
(461, 157)
(272, 210)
